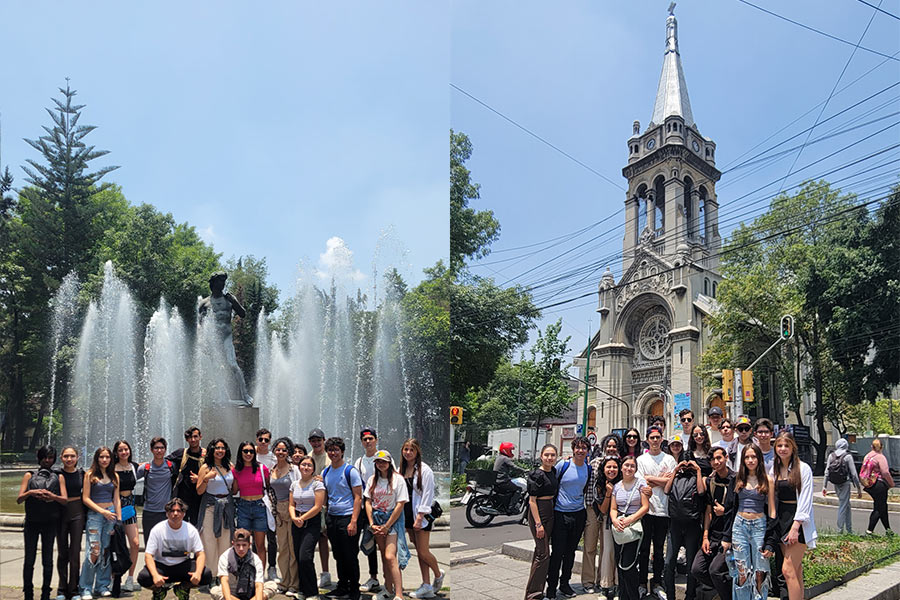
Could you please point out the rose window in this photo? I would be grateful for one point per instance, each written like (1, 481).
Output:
(654, 337)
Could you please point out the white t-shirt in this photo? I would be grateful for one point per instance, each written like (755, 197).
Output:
(165, 540)
(656, 466)
(714, 435)
(267, 459)
(386, 498)
(223, 565)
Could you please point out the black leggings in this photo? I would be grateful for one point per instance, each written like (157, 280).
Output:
(306, 539)
(46, 531)
(682, 533)
(879, 493)
(68, 558)
(628, 580)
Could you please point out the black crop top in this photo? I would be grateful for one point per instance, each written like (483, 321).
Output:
(74, 481)
(127, 481)
(785, 492)
(542, 483)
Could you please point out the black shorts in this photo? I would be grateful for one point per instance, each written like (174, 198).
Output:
(409, 519)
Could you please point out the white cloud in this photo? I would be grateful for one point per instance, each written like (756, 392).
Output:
(337, 262)
(207, 234)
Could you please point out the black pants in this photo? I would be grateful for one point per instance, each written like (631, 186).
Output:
(655, 531)
(373, 558)
(305, 540)
(177, 574)
(271, 549)
(682, 533)
(46, 531)
(68, 557)
(629, 580)
(879, 493)
(540, 561)
(148, 520)
(345, 549)
(567, 530)
(712, 571)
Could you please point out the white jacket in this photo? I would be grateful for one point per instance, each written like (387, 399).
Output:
(422, 501)
(804, 511)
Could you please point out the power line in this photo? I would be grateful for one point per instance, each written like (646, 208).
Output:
(879, 9)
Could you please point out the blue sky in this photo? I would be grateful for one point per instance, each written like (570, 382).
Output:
(579, 73)
(271, 130)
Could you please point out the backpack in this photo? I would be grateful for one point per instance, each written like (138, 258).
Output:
(838, 471)
(44, 479)
(684, 501)
(40, 510)
(869, 473)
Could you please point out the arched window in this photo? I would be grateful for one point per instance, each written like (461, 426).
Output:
(701, 214)
(715, 287)
(592, 417)
(642, 209)
(706, 287)
(660, 188)
(688, 205)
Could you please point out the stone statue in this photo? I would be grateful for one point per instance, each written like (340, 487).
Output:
(221, 305)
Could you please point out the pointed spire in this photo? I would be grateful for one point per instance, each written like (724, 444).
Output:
(672, 94)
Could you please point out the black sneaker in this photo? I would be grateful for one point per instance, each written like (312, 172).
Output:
(566, 590)
(338, 593)
(550, 595)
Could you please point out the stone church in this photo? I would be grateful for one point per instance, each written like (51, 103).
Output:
(653, 325)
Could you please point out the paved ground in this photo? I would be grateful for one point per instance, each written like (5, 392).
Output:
(11, 556)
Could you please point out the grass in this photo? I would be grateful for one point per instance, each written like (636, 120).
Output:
(836, 555)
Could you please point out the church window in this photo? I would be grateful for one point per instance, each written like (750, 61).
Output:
(688, 206)
(681, 353)
(654, 337)
(603, 368)
(660, 188)
(715, 285)
(706, 287)
(701, 216)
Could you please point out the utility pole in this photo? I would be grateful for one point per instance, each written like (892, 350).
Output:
(587, 375)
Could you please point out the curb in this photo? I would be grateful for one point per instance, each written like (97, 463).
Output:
(857, 503)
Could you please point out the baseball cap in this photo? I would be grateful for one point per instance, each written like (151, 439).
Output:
(316, 433)
(743, 420)
(715, 411)
(369, 430)
(383, 455)
(676, 439)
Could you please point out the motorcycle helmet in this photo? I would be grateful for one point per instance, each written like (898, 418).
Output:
(506, 449)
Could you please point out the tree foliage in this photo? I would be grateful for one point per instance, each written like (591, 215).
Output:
(471, 231)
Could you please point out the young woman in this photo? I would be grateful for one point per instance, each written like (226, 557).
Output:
(251, 480)
(386, 495)
(284, 474)
(876, 465)
(610, 474)
(42, 491)
(755, 493)
(542, 489)
(71, 526)
(632, 445)
(418, 520)
(612, 445)
(796, 528)
(304, 505)
(100, 494)
(126, 469)
(683, 492)
(298, 453)
(216, 515)
(627, 506)
(699, 447)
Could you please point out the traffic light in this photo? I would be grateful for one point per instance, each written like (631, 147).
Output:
(728, 385)
(747, 386)
(787, 327)
(456, 415)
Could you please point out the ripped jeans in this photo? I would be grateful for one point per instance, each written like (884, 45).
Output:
(95, 574)
(750, 565)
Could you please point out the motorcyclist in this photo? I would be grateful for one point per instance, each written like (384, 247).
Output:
(506, 469)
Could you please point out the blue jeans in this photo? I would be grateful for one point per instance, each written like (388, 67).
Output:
(96, 576)
(251, 515)
(747, 539)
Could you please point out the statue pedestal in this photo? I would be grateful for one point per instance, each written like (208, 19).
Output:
(233, 423)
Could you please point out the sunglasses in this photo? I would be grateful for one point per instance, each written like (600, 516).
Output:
(263, 440)
(699, 434)
(248, 451)
(631, 437)
(686, 420)
(743, 429)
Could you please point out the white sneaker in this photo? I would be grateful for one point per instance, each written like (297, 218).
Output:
(87, 596)
(438, 582)
(105, 594)
(660, 591)
(61, 597)
(324, 579)
(425, 591)
(371, 585)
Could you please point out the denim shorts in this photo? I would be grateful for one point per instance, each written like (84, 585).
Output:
(251, 515)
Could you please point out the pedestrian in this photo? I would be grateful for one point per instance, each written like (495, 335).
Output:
(344, 487)
(875, 477)
(43, 493)
(683, 493)
(418, 519)
(71, 526)
(240, 573)
(727, 441)
(159, 477)
(126, 469)
(214, 483)
(542, 488)
(751, 547)
(101, 499)
(659, 422)
(465, 455)
(304, 505)
(709, 567)
(188, 461)
(611, 474)
(626, 509)
(266, 457)
(841, 472)
(632, 446)
(167, 557)
(316, 439)
(796, 528)
(386, 495)
(250, 481)
(611, 445)
(656, 468)
(299, 453)
(284, 474)
(569, 516)
(366, 466)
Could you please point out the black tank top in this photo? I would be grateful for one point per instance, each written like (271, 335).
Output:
(785, 492)
(127, 482)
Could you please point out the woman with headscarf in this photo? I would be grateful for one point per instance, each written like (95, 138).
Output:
(841, 472)
(875, 476)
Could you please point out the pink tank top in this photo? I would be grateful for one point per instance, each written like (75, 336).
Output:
(248, 482)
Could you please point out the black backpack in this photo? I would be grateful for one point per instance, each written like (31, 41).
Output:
(39, 510)
(684, 501)
(838, 471)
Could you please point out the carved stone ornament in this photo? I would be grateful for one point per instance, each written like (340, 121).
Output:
(647, 278)
(654, 337)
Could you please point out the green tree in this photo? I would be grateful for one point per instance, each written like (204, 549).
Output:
(471, 231)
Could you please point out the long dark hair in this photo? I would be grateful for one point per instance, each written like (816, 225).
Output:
(390, 475)
(96, 472)
(610, 437)
(601, 476)
(692, 444)
(791, 471)
(239, 462)
(115, 452)
(414, 444)
(626, 451)
(210, 459)
(760, 472)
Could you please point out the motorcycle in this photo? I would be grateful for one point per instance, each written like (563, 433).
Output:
(483, 502)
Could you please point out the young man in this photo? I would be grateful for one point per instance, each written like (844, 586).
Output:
(657, 468)
(167, 559)
(715, 419)
(709, 567)
(344, 488)
(569, 516)
(763, 431)
(240, 573)
(263, 439)
(159, 477)
(366, 466)
(187, 461)
(316, 439)
(686, 419)
(659, 422)
(744, 429)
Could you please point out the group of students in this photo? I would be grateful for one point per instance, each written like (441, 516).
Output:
(729, 503)
(201, 507)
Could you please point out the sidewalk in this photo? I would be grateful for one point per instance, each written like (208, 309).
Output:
(12, 555)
